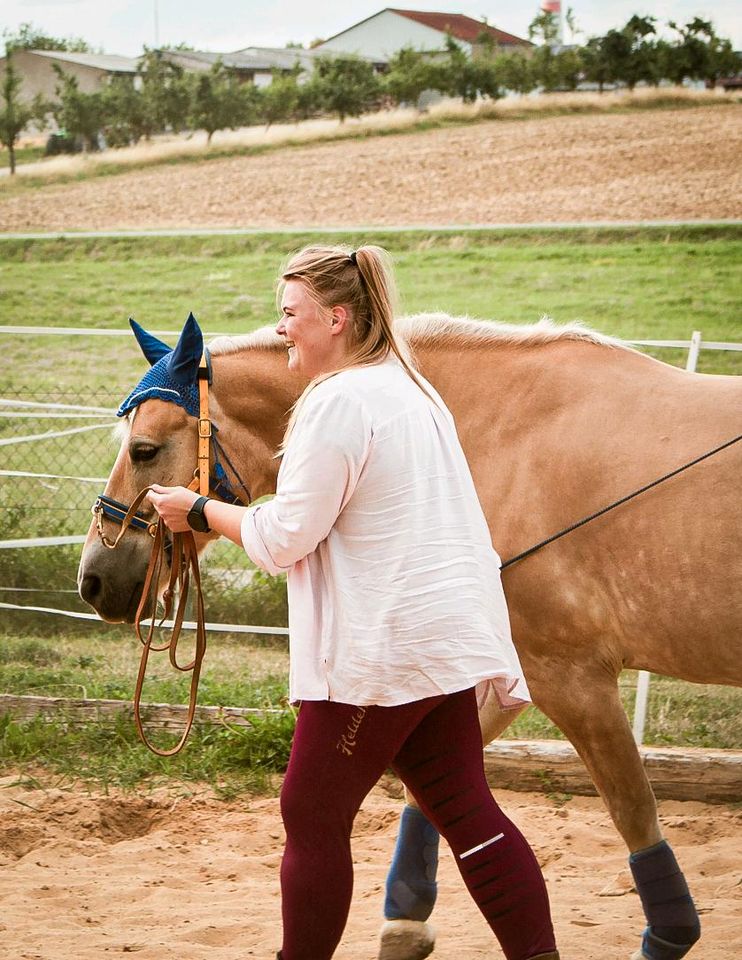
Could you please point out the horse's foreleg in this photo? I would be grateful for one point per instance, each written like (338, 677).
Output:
(411, 886)
(589, 711)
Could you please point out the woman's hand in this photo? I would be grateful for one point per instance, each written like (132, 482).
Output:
(173, 505)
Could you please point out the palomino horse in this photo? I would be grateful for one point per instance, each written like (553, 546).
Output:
(556, 423)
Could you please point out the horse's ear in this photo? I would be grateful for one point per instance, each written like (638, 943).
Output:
(185, 358)
(152, 348)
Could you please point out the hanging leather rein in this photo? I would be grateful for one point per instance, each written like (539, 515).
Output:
(183, 568)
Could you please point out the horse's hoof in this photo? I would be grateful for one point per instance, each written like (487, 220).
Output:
(406, 940)
(639, 955)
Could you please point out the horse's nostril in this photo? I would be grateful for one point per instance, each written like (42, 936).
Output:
(90, 588)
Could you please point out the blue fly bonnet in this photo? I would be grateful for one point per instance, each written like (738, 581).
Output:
(173, 374)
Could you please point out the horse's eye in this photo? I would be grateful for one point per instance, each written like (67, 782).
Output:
(141, 452)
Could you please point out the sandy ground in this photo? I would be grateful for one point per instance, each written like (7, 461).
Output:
(171, 875)
(658, 164)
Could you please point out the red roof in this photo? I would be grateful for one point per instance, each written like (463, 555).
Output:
(459, 26)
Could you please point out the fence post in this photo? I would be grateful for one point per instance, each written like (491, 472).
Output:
(695, 348)
(642, 680)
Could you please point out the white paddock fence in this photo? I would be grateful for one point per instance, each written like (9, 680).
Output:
(38, 410)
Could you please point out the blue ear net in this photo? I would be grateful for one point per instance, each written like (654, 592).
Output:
(173, 374)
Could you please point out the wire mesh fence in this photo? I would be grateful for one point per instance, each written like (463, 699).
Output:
(56, 451)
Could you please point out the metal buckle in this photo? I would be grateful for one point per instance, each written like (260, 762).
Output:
(204, 431)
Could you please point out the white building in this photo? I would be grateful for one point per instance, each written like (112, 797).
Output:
(92, 70)
(379, 37)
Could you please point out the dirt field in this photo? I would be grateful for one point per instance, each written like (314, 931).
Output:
(83, 876)
(658, 164)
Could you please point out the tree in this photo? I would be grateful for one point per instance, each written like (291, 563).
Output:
(14, 115)
(410, 73)
(633, 56)
(309, 99)
(567, 69)
(78, 114)
(280, 99)
(123, 110)
(466, 77)
(595, 65)
(167, 92)
(217, 102)
(28, 37)
(700, 53)
(515, 72)
(544, 27)
(347, 85)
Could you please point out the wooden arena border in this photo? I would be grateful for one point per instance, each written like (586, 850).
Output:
(545, 766)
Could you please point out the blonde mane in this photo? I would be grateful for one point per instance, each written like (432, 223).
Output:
(441, 329)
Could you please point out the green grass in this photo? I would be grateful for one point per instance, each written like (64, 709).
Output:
(234, 761)
(100, 663)
(652, 284)
(22, 155)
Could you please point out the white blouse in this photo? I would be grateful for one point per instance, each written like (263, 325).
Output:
(393, 583)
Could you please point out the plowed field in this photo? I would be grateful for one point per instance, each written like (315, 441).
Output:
(654, 164)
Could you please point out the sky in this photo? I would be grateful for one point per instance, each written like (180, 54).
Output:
(125, 26)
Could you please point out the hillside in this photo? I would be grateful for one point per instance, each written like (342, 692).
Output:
(654, 164)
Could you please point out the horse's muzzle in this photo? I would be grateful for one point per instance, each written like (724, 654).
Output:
(111, 581)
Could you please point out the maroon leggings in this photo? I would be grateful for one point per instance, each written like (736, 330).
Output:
(435, 746)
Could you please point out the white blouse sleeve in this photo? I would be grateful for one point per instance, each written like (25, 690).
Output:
(321, 466)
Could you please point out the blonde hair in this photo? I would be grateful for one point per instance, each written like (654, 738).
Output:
(362, 281)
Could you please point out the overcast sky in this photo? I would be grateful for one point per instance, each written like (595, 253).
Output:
(124, 26)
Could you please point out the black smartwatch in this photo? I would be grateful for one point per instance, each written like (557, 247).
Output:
(197, 518)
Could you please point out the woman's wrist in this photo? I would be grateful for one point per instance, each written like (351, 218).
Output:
(225, 519)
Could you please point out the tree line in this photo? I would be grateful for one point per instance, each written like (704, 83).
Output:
(165, 97)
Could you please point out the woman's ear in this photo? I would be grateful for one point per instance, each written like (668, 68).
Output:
(338, 319)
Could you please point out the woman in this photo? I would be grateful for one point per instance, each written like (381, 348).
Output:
(396, 612)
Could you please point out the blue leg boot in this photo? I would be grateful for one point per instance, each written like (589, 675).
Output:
(411, 890)
(673, 925)
(411, 886)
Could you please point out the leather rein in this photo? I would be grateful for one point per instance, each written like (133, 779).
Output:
(183, 554)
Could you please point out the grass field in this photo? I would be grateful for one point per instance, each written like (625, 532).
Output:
(648, 284)
(633, 283)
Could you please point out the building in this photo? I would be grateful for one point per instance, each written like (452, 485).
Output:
(379, 37)
(253, 64)
(93, 70)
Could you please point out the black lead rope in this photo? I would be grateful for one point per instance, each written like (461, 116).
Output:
(617, 503)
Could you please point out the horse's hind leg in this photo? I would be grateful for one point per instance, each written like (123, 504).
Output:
(589, 711)
(411, 887)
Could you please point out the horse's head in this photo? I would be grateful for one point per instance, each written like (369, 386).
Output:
(159, 445)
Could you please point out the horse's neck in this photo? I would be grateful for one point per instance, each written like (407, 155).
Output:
(252, 396)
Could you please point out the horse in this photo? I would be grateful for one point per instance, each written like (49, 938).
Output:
(556, 422)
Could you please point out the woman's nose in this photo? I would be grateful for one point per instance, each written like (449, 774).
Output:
(281, 327)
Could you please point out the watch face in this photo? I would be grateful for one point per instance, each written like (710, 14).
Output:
(196, 518)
